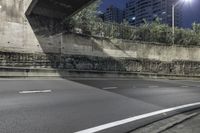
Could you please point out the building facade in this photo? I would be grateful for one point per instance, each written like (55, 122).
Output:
(138, 11)
(114, 14)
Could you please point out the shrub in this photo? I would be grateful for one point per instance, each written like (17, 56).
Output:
(90, 24)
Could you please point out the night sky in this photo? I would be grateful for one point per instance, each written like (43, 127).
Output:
(191, 11)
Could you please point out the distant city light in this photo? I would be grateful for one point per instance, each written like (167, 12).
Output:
(0, 6)
(133, 18)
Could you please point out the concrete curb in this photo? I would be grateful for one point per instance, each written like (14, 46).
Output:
(164, 125)
(13, 72)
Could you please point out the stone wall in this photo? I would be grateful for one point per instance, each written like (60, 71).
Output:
(96, 63)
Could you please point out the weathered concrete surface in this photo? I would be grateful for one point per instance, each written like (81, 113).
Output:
(16, 33)
(16, 72)
(85, 45)
(38, 40)
(91, 53)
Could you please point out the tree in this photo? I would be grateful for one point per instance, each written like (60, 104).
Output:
(87, 17)
(88, 21)
(196, 28)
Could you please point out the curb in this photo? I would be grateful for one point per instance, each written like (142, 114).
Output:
(13, 72)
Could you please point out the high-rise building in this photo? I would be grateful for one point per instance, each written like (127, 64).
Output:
(139, 10)
(114, 14)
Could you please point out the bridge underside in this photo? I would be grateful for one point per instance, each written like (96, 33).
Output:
(47, 16)
(56, 8)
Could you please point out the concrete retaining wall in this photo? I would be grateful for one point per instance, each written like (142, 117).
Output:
(97, 63)
(94, 46)
(26, 42)
(74, 74)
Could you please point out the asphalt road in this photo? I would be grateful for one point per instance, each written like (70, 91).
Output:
(64, 106)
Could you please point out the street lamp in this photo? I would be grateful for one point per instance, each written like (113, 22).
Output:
(133, 18)
(173, 15)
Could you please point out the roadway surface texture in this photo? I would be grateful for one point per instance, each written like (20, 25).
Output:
(188, 122)
(88, 106)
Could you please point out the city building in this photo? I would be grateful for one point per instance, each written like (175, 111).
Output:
(114, 14)
(139, 10)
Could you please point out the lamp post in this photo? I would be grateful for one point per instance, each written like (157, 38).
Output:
(173, 18)
(173, 15)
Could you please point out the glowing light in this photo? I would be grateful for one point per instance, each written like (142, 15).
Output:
(133, 18)
(188, 1)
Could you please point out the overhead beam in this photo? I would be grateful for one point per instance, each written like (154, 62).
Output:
(57, 8)
(30, 8)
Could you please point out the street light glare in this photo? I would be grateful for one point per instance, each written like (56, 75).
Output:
(188, 1)
(133, 18)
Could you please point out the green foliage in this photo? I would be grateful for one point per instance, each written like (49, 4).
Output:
(86, 18)
(154, 32)
(196, 28)
(160, 33)
(143, 32)
(186, 37)
(90, 24)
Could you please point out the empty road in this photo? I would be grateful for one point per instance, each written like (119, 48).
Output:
(84, 106)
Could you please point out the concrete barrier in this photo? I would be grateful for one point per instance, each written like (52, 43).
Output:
(14, 72)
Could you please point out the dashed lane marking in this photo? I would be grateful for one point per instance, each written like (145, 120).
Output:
(109, 88)
(184, 86)
(29, 92)
(153, 86)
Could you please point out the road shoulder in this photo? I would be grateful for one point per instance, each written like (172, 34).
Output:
(188, 122)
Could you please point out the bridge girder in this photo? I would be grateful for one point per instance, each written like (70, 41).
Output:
(56, 8)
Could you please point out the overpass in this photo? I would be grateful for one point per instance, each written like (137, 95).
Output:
(52, 14)
(56, 8)
(22, 22)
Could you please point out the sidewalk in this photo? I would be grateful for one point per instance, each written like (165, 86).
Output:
(183, 123)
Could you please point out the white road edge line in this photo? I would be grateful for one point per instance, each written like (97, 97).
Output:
(135, 118)
(109, 88)
(29, 92)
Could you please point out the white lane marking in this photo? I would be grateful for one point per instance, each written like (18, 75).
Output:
(29, 92)
(135, 118)
(184, 86)
(153, 86)
(109, 88)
